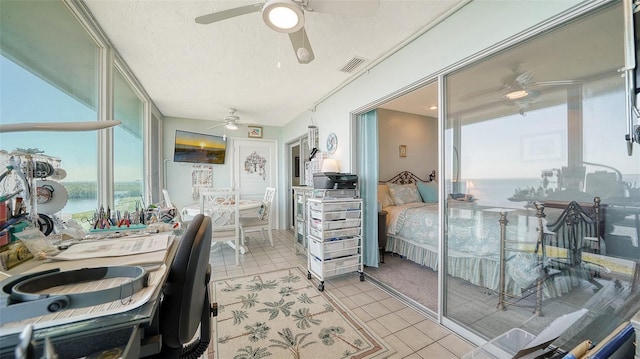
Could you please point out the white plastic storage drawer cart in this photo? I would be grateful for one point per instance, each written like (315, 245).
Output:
(334, 231)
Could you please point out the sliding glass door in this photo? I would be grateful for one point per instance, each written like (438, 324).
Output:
(527, 132)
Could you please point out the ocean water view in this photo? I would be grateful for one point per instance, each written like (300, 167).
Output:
(496, 192)
(80, 205)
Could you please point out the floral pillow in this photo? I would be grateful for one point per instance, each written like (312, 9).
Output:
(404, 193)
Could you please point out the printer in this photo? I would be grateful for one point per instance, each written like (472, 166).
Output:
(334, 180)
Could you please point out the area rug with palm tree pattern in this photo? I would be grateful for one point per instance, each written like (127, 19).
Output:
(282, 314)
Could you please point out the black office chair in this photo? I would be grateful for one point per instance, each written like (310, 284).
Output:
(186, 304)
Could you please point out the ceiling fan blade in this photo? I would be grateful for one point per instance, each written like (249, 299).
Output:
(556, 83)
(227, 14)
(226, 125)
(476, 94)
(301, 46)
(346, 7)
(216, 126)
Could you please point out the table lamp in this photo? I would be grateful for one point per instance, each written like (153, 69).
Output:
(330, 165)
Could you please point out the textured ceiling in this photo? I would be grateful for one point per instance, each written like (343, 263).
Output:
(199, 71)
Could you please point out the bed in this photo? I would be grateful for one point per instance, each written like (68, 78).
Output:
(474, 232)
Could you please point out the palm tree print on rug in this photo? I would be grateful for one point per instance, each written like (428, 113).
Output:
(281, 314)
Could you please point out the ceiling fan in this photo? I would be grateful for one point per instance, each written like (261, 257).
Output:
(287, 16)
(524, 104)
(231, 121)
(518, 85)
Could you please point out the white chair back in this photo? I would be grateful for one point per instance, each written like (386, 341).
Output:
(222, 208)
(167, 199)
(267, 203)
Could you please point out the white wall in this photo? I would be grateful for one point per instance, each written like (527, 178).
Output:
(178, 175)
(418, 133)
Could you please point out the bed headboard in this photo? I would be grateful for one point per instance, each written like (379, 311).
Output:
(406, 177)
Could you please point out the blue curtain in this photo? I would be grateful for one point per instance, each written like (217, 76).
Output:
(368, 174)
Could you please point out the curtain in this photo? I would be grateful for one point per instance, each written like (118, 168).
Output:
(368, 175)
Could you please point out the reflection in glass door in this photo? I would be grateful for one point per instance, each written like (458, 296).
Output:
(528, 132)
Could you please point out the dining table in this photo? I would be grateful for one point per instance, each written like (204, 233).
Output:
(247, 207)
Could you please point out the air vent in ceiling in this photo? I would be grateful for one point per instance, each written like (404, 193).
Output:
(352, 64)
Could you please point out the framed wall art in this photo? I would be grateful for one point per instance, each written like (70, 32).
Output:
(255, 132)
(403, 150)
(543, 147)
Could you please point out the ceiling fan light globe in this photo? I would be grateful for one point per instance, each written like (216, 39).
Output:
(514, 95)
(283, 16)
(231, 126)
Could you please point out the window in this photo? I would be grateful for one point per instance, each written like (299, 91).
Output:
(50, 63)
(49, 72)
(128, 146)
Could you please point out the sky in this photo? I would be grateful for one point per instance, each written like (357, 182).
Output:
(26, 98)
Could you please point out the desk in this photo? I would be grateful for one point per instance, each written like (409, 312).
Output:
(77, 338)
(247, 207)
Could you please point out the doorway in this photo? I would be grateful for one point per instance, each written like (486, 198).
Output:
(407, 128)
(298, 152)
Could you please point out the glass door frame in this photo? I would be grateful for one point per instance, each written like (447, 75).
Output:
(360, 158)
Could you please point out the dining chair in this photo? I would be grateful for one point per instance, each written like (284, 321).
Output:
(263, 221)
(222, 207)
(167, 198)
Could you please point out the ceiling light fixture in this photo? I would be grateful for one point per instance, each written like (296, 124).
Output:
(514, 95)
(231, 126)
(434, 107)
(283, 15)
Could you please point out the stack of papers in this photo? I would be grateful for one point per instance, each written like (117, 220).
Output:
(115, 248)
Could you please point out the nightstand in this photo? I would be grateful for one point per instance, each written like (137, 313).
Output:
(382, 233)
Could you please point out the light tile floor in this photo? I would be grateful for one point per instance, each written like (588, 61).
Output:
(408, 332)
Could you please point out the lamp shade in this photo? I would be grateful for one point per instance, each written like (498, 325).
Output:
(330, 165)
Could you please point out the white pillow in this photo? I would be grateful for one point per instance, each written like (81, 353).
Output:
(384, 197)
